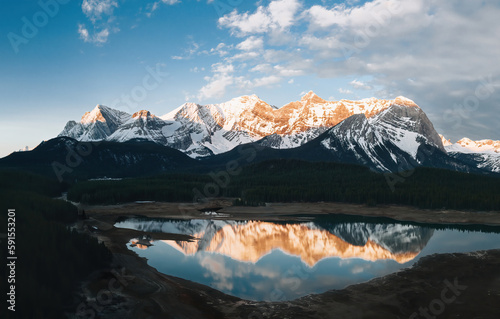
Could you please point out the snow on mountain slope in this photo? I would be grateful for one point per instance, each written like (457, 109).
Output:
(203, 130)
(254, 116)
(484, 154)
(247, 119)
(485, 161)
(466, 145)
(143, 125)
(389, 141)
(96, 125)
(290, 141)
(490, 162)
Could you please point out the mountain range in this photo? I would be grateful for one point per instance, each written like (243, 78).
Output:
(384, 135)
(204, 130)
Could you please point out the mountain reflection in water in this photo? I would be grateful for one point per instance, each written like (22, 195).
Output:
(263, 260)
(249, 241)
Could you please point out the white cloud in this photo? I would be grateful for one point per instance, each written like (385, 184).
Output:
(100, 13)
(225, 76)
(195, 49)
(96, 38)
(373, 13)
(266, 81)
(263, 68)
(315, 43)
(246, 55)
(251, 43)
(278, 16)
(192, 50)
(322, 17)
(245, 23)
(156, 5)
(217, 84)
(83, 32)
(360, 85)
(222, 49)
(288, 71)
(345, 91)
(101, 36)
(197, 69)
(94, 9)
(283, 12)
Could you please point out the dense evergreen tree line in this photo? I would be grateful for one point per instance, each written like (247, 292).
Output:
(52, 259)
(170, 188)
(25, 181)
(297, 181)
(289, 181)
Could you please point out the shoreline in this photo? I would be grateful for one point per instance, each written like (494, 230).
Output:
(281, 211)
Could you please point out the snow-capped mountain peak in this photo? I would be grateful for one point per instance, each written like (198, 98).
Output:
(312, 98)
(403, 101)
(94, 115)
(247, 103)
(170, 116)
(390, 140)
(142, 114)
(97, 124)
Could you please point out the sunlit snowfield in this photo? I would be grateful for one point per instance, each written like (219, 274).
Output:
(262, 260)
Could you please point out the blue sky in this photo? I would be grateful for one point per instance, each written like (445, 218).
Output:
(156, 55)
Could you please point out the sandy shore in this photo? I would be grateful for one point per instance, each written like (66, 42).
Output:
(150, 294)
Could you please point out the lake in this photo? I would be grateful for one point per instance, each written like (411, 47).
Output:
(276, 261)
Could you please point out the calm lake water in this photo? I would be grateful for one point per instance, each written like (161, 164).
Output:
(274, 261)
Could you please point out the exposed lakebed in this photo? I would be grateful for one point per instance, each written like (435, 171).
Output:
(275, 261)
